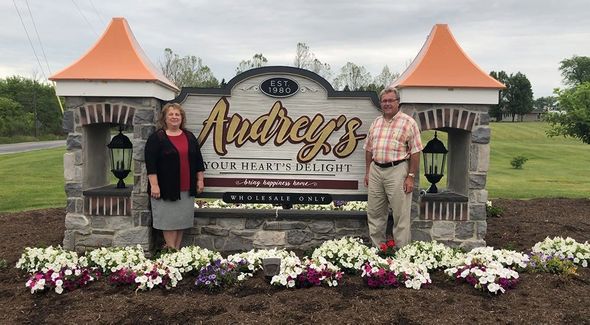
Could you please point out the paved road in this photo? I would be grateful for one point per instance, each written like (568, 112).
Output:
(29, 146)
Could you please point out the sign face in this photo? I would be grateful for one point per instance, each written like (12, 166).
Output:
(281, 130)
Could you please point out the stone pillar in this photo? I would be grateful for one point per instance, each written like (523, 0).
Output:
(144, 124)
(76, 223)
(97, 214)
(479, 162)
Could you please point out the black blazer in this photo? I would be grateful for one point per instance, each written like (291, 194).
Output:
(162, 159)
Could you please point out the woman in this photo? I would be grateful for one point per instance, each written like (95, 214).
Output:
(175, 172)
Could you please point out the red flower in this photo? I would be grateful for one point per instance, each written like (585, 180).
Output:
(383, 247)
(390, 243)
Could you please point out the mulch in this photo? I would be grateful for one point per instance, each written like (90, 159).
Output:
(538, 298)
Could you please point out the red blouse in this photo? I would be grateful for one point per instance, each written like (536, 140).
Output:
(181, 144)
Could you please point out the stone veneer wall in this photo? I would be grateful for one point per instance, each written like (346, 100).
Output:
(466, 231)
(238, 230)
(84, 228)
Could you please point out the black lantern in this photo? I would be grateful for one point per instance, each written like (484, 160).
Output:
(435, 155)
(121, 149)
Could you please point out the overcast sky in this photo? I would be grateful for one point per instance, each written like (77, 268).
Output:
(530, 36)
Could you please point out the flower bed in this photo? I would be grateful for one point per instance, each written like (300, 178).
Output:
(333, 206)
(487, 269)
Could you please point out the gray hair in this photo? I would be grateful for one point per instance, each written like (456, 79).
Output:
(389, 90)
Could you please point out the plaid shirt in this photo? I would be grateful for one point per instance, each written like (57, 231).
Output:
(395, 140)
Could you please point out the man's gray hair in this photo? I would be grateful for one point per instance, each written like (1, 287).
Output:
(389, 90)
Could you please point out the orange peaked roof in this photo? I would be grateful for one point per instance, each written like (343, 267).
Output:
(115, 56)
(442, 63)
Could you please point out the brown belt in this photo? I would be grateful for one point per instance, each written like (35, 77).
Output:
(389, 164)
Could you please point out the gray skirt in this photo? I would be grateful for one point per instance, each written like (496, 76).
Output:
(173, 215)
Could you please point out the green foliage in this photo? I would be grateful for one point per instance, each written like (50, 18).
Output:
(305, 59)
(13, 119)
(510, 246)
(574, 120)
(516, 99)
(3, 264)
(25, 100)
(384, 79)
(518, 161)
(354, 76)
(497, 111)
(165, 250)
(575, 70)
(188, 71)
(493, 211)
(552, 264)
(257, 61)
(548, 103)
(519, 95)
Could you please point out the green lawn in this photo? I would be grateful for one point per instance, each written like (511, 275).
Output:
(557, 167)
(32, 180)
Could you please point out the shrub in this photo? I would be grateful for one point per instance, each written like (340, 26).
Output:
(3, 264)
(518, 161)
(551, 264)
(493, 211)
(219, 274)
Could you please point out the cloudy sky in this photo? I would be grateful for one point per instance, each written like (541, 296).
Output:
(530, 36)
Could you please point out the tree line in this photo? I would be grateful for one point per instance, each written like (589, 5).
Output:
(29, 107)
(573, 117)
(189, 71)
(568, 112)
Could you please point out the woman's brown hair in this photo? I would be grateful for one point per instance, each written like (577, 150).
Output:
(161, 124)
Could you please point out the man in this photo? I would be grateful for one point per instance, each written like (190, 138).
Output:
(392, 155)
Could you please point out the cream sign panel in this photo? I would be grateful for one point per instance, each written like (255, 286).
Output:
(281, 130)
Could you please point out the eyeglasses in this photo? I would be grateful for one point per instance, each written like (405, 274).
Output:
(389, 101)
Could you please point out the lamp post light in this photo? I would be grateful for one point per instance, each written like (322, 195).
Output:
(121, 150)
(271, 266)
(435, 155)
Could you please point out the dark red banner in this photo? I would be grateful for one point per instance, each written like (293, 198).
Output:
(281, 183)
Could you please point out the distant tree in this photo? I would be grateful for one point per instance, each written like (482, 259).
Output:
(573, 120)
(575, 70)
(13, 119)
(519, 96)
(497, 111)
(354, 76)
(303, 56)
(372, 87)
(305, 59)
(34, 98)
(187, 71)
(548, 103)
(384, 79)
(257, 61)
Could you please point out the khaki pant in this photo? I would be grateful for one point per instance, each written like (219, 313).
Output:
(386, 188)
